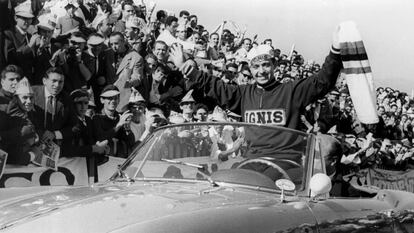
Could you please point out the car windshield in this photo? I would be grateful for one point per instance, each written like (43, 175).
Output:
(238, 153)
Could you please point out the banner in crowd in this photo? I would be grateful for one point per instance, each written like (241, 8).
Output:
(370, 180)
(70, 171)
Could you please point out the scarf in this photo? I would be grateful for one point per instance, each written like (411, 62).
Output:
(358, 73)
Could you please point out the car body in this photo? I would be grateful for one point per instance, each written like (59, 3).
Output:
(194, 178)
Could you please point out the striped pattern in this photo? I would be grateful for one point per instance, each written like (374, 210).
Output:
(355, 58)
(358, 73)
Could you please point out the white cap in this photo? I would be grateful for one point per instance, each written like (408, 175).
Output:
(135, 97)
(24, 10)
(47, 22)
(218, 115)
(23, 87)
(188, 97)
(261, 50)
(95, 40)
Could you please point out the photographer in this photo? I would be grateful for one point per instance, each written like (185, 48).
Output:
(69, 59)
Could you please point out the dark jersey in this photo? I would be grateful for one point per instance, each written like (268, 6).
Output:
(275, 103)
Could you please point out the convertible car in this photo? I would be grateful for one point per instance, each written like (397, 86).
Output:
(210, 177)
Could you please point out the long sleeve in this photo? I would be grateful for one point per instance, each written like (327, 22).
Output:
(310, 89)
(226, 94)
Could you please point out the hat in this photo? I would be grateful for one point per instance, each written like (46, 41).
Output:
(95, 40)
(334, 92)
(188, 97)
(155, 112)
(261, 52)
(232, 114)
(24, 10)
(406, 143)
(109, 91)
(79, 94)
(135, 96)
(23, 87)
(46, 22)
(218, 115)
(78, 37)
(69, 5)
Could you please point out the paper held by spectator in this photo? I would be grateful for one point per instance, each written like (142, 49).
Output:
(49, 157)
(358, 73)
(3, 160)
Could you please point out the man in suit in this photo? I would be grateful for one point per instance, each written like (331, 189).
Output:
(19, 45)
(124, 67)
(53, 118)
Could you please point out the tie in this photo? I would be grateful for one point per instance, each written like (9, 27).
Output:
(50, 109)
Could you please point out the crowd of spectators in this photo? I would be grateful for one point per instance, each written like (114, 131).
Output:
(97, 78)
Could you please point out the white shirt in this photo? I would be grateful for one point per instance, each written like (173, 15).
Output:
(169, 39)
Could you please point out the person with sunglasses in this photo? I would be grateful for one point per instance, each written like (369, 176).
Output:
(230, 74)
(244, 76)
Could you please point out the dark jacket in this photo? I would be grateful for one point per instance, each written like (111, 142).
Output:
(81, 141)
(17, 51)
(20, 122)
(104, 129)
(63, 117)
(275, 103)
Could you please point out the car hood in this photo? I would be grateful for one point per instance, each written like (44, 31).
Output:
(148, 207)
(114, 206)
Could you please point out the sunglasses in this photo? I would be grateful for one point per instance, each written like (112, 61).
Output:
(217, 69)
(110, 98)
(75, 42)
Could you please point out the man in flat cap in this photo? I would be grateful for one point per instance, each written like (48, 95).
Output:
(70, 61)
(20, 45)
(112, 126)
(93, 60)
(45, 29)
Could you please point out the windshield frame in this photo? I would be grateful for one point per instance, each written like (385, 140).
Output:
(309, 152)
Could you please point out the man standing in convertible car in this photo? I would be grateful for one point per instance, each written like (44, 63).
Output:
(267, 101)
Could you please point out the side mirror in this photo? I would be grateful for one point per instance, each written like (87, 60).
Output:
(320, 184)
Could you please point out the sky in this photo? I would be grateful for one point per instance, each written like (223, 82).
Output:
(386, 27)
